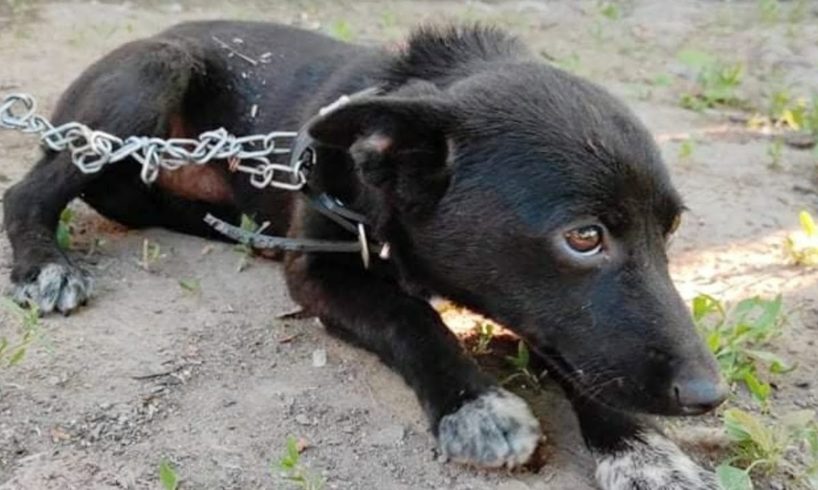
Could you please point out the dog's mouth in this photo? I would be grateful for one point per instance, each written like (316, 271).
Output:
(608, 388)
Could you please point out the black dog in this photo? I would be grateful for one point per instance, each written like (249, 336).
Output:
(504, 184)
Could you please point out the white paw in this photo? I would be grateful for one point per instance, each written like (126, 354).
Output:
(57, 287)
(495, 429)
(652, 463)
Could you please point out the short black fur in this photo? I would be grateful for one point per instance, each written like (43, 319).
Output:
(476, 162)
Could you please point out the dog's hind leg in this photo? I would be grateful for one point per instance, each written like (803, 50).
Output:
(476, 421)
(132, 91)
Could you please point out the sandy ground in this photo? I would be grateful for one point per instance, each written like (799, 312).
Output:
(213, 382)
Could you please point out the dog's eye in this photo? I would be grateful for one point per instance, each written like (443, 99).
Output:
(677, 221)
(586, 240)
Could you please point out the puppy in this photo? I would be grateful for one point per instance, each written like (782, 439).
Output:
(504, 184)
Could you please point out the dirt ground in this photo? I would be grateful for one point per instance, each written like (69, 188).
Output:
(212, 381)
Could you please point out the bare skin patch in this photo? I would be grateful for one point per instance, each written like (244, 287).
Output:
(195, 182)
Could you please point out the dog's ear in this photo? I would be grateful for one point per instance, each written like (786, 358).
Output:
(399, 146)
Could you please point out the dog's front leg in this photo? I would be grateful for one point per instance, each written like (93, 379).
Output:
(630, 455)
(475, 421)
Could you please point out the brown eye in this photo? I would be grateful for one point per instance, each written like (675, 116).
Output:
(677, 221)
(585, 239)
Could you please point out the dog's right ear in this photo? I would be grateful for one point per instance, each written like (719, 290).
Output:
(399, 146)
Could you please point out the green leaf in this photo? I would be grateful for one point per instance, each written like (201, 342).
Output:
(191, 285)
(18, 356)
(704, 305)
(167, 475)
(248, 224)
(743, 426)
(522, 354)
(808, 224)
(732, 478)
(758, 388)
(777, 364)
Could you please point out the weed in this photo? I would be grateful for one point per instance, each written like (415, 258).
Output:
(686, 149)
(485, 332)
(738, 337)
(769, 10)
(717, 81)
(167, 475)
(609, 10)
(802, 245)
(520, 362)
(247, 252)
(770, 446)
(13, 352)
(192, 286)
(341, 30)
(775, 151)
(151, 253)
(796, 113)
(65, 229)
(293, 471)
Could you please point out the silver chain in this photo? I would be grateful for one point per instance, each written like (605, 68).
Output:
(91, 150)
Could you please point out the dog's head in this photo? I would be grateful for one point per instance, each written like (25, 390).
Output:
(537, 199)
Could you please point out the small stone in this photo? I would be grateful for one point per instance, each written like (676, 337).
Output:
(303, 419)
(319, 358)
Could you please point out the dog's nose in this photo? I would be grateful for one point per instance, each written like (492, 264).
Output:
(699, 395)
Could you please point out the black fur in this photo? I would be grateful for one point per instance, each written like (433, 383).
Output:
(472, 164)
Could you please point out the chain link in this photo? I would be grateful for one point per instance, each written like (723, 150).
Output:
(91, 150)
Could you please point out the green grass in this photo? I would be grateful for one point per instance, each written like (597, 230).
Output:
(796, 113)
(151, 253)
(293, 471)
(246, 251)
(786, 446)
(485, 332)
(686, 149)
(520, 363)
(717, 82)
(167, 475)
(341, 30)
(65, 229)
(775, 152)
(13, 351)
(769, 10)
(739, 337)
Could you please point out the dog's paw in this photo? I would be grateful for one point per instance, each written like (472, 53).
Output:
(496, 429)
(652, 463)
(56, 287)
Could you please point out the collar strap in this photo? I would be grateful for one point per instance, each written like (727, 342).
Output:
(303, 159)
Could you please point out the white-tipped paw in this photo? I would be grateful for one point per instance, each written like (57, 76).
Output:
(57, 287)
(496, 429)
(652, 463)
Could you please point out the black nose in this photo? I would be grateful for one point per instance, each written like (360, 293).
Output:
(699, 395)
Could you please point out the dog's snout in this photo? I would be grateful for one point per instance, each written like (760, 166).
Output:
(695, 395)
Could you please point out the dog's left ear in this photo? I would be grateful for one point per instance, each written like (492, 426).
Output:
(399, 146)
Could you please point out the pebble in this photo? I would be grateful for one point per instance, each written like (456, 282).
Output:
(319, 358)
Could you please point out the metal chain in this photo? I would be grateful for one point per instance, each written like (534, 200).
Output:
(91, 150)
